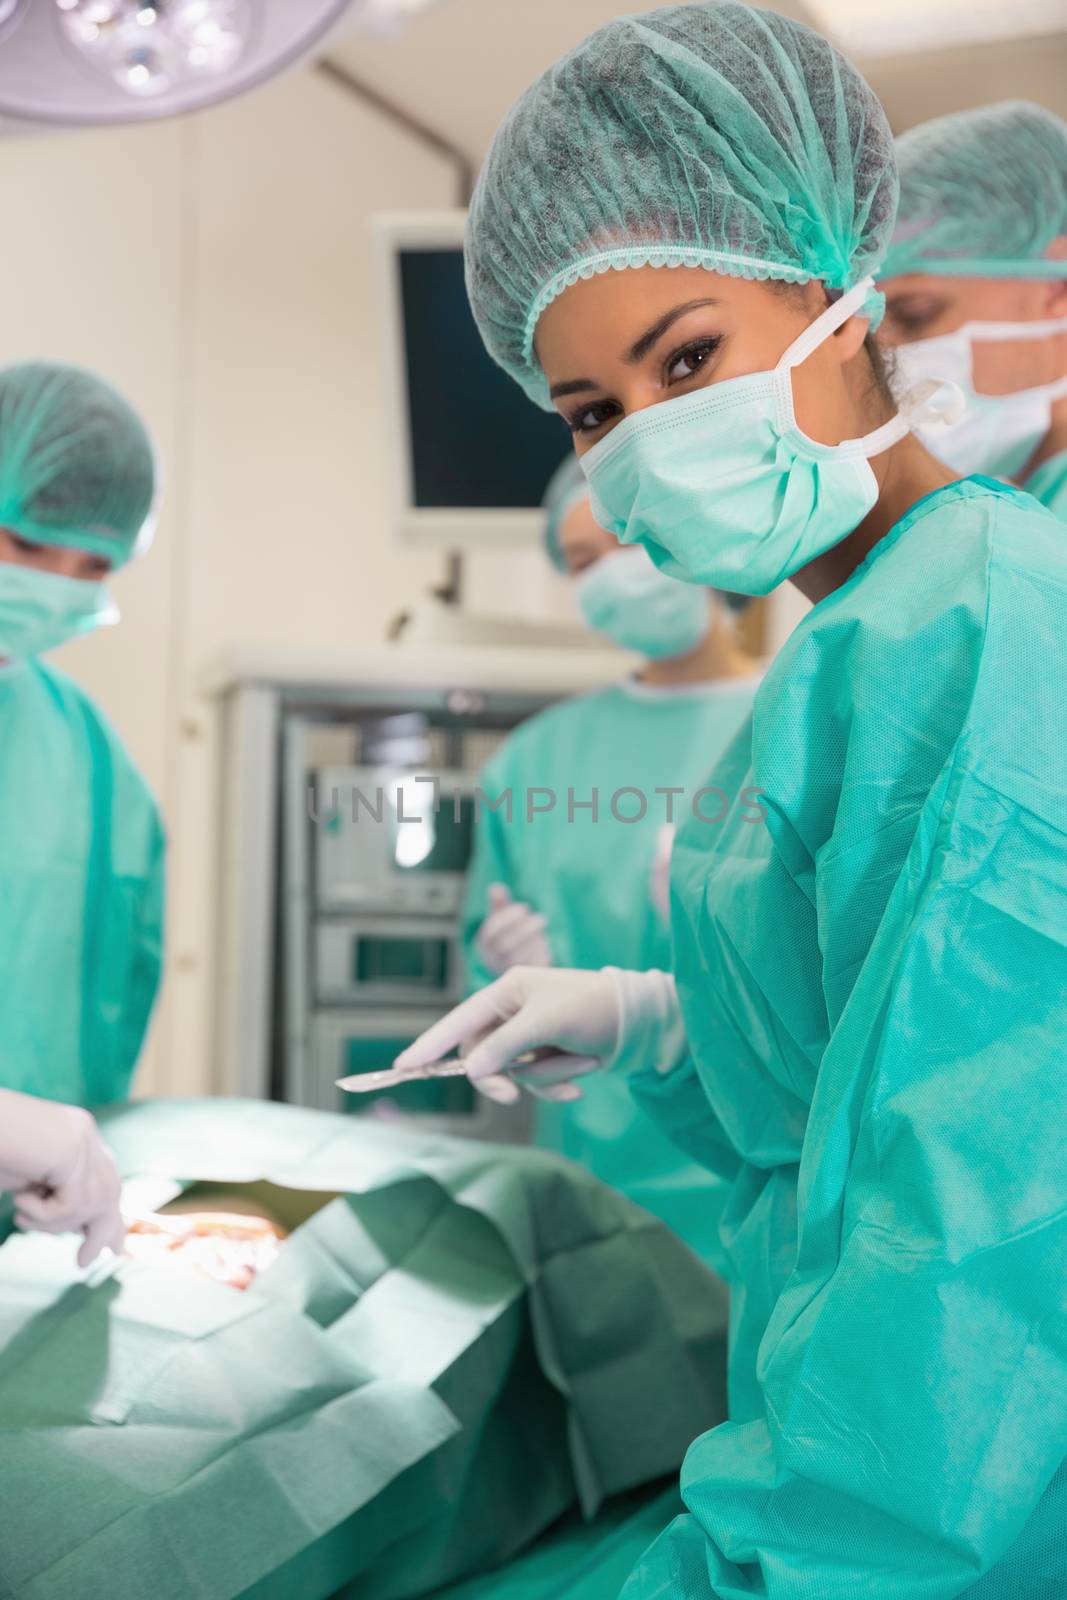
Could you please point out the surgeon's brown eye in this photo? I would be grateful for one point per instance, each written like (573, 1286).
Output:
(909, 319)
(687, 362)
(26, 547)
(588, 418)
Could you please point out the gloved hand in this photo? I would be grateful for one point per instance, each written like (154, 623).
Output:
(568, 1022)
(512, 935)
(661, 872)
(570, 1018)
(63, 1175)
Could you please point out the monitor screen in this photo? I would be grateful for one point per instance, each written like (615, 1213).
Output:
(477, 442)
(379, 959)
(437, 842)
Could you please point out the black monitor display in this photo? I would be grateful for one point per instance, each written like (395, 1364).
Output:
(476, 440)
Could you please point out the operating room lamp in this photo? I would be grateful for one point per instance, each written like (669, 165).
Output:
(71, 63)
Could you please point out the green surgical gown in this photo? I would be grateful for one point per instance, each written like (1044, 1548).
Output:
(875, 994)
(591, 878)
(81, 894)
(1048, 483)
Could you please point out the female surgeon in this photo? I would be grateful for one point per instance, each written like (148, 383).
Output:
(976, 287)
(583, 885)
(673, 241)
(81, 845)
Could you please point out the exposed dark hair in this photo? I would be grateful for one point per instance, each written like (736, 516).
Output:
(881, 361)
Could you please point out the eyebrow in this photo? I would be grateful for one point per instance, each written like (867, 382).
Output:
(912, 297)
(572, 386)
(640, 347)
(637, 351)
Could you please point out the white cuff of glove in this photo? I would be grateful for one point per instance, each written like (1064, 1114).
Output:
(651, 1030)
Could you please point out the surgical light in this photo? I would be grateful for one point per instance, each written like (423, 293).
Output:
(78, 62)
(148, 49)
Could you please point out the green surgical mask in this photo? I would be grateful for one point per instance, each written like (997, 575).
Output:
(626, 598)
(41, 610)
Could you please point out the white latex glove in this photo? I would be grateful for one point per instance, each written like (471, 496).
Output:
(62, 1173)
(512, 935)
(572, 1022)
(661, 871)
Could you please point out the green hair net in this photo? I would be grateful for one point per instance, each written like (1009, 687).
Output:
(76, 464)
(982, 194)
(703, 135)
(567, 485)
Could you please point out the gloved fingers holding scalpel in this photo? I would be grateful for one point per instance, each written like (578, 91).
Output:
(540, 1029)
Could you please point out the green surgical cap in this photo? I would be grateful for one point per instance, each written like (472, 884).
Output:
(703, 135)
(76, 464)
(567, 485)
(982, 194)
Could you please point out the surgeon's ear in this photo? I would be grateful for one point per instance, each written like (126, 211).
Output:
(1056, 304)
(848, 339)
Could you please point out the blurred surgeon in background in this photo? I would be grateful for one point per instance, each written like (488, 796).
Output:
(976, 287)
(81, 843)
(568, 889)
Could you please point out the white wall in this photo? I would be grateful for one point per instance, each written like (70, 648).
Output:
(915, 87)
(217, 270)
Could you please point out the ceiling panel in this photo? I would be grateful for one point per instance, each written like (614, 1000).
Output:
(459, 65)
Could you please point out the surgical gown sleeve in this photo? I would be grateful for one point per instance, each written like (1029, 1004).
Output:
(146, 960)
(677, 1101)
(126, 905)
(914, 1368)
(491, 863)
(654, 1062)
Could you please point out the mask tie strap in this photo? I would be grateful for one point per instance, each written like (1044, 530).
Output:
(826, 323)
(1009, 332)
(933, 401)
(1055, 390)
(809, 339)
